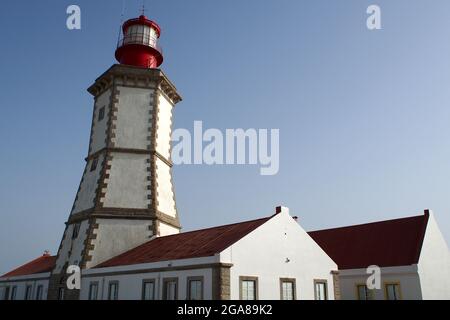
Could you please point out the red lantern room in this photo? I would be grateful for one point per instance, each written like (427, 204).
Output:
(139, 45)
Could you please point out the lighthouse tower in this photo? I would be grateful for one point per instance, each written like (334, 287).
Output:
(126, 195)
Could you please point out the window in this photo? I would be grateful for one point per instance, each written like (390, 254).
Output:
(392, 291)
(170, 289)
(101, 113)
(320, 290)
(39, 291)
(287, 289)
(93, 290)
(195, 288)
(61, 294)
(13, 293)
(76, 230)
(6, 293)
(248, 288)
(363, 293)
(113, 290)
(94, 164)
(148, 290)
(28, 292)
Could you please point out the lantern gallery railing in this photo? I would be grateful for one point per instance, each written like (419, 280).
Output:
(140, 38)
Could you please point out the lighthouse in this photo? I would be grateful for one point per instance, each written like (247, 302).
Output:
(126, 196)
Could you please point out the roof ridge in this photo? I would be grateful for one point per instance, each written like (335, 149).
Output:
(366, 224)
(421, 236)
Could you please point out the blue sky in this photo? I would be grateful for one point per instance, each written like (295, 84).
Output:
(363, 115)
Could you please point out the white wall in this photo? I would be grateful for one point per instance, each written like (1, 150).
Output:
(166, 200)
(130, 285)
(164, 129)
(86, 194)
(434, 263)
(127, 183)
(263, 254)
(99, 127)
(106, 245)
(21, 282)
(133, 118)
(76, 246)
(407, 276)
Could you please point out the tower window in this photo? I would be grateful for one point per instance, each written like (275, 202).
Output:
(94, 164)
(101, 113)
(76, 230)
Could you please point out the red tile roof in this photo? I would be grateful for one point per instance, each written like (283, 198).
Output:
(44, 263)
(386, 243)
(184, 245)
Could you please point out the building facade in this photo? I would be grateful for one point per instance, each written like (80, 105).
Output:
(411, 253)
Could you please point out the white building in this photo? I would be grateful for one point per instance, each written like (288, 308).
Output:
(411, 252)
(269, 258)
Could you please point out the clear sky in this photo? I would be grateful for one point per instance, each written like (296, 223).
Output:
(364, 116)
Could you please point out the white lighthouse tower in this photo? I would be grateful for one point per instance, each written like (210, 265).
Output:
(126, 194)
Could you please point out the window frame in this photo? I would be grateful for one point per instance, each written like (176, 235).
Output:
(369, 293)
(101, 113)
(6, 293)
(144, 282)
(165, 282)
(94, 164)
(294, 287)
(110, 284)
(324, 282)
(13, 293)
(91, 285)
(76, 230)
(248, 278)
(188, 286)
(61, 293)
(393, 283)
(39, 292)
(28, 292)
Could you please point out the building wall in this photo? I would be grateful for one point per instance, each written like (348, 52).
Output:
(264, 254)
(89, 183)
(132, 233)
(406, 276)
(99, 128)
(130, 284)
(164, 129)
(22, 282)
(74, 246)
(127, 182)
(434, 263)
(133, 118)
(166, 197)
